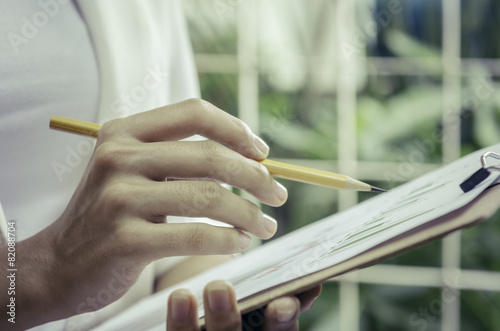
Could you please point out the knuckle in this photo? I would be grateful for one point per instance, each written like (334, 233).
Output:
(200, 197)
(111, 128)
(129, 241)
(117, 196)
(229, 241)
(244, 131)
(210, 151)
(203, 105)
(124, 241)
(260, 170)
(198, 106)
(186, 191)
(242, 127)
(199, 115)
(211, 194)
(109, 155)
(198, 237)
(193, 102)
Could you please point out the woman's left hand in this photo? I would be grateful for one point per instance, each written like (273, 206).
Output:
(221, 310)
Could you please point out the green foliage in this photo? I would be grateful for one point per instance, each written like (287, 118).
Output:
(395, 115)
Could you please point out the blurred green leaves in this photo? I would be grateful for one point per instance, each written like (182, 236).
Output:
(400, 103)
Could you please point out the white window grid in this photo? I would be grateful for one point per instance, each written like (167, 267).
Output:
(448, 276)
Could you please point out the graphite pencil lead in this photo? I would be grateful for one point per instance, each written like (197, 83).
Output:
(376, 189)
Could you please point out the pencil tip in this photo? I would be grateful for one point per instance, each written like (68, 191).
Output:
(376, 189)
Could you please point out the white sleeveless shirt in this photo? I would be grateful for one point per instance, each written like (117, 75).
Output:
(92, 60)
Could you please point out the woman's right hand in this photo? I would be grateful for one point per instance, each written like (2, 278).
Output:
(138, 174)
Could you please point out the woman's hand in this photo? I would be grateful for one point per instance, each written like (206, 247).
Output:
(221, 311)
(138, 174)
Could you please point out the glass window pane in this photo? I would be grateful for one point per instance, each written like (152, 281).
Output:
(480, 106)
(324, 315)
(428, 255)
(401, 28)
(221, 90)
(479, 311)
(478, 29)
(387, 308)
(212, 26)
(301, 124)
(399, 119)
(478, 244)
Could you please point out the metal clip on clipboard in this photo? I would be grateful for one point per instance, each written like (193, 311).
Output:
(480, 175)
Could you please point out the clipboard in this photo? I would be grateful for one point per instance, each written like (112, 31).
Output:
(408, 216)
(480, 209)
(480, 175)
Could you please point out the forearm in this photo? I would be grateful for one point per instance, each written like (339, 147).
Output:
(26, 297)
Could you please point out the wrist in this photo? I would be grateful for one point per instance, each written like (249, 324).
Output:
(36, 293)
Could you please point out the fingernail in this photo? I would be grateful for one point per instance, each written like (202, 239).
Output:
(180, 306)
(261, 145)
(245, 241)
(218, 297)
(280, 191)
(286, 311)
(270, 224)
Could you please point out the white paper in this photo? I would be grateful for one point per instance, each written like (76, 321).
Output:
(326, 242)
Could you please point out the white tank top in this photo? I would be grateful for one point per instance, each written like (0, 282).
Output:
(79, 61)
(47, 67)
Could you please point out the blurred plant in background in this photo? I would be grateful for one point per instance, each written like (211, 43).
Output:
(402, 76)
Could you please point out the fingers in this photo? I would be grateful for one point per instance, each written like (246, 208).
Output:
(208, 159)
(221, 312)
(182, 311)
(282, 314)
(163, 240)
(194, 116)
(204, 199)
(308, 297)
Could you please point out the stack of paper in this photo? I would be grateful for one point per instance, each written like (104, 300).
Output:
(418, 211)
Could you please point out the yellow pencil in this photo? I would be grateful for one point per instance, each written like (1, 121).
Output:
(277, 169)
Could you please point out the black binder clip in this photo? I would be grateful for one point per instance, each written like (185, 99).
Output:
(481, 174)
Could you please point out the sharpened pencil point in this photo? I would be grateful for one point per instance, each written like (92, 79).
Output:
(376, 189)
